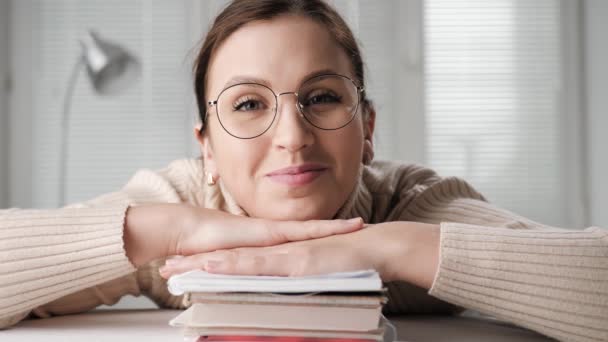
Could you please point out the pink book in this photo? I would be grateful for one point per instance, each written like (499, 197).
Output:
(235, 338)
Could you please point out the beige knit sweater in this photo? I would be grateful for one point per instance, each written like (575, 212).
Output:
(554, 281)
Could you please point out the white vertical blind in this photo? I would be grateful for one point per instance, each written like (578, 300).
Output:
(110, 137)
(375, 34)
(493, 72)
(4, 88)
(596, 80)
(388, 34)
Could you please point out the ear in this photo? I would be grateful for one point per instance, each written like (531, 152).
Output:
(206, 151)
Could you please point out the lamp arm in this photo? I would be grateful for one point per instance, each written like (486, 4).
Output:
(65, 129)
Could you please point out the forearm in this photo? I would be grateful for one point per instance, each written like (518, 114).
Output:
(544, 278)
(43, 250)
(553, 281)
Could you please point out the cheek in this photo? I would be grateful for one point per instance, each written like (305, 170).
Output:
(238, 163)
(351, 142)
(346, 147)
(237, 160)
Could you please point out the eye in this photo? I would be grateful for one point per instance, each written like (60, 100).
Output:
(247, 104)
(324, 97)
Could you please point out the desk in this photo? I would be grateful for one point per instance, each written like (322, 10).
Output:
(152, 326)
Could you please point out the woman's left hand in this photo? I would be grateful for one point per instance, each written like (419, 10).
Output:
(407, 251)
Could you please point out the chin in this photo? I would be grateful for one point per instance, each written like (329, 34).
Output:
(300, 212)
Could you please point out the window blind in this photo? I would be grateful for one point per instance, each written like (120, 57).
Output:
(110, 137)
(389, 35)
(478, 99)
(4, 89)
(493, 71)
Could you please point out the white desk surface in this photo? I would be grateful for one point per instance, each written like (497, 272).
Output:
(152, 325)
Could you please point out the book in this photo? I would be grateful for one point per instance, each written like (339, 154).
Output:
(246, 338)
(343, 299)
(278, 316)
(200, 334)
(201, 281)
(254, 338)
(344, 306)
(192, 334)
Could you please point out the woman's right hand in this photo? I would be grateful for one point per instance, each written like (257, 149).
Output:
(161, 230)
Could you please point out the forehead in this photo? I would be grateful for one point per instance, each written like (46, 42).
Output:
(281, 51)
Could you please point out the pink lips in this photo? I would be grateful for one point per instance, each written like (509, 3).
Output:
(297, 175)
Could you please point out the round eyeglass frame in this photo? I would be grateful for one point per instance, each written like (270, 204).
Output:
(213, 103)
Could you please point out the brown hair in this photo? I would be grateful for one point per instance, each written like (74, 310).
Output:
(241, 12)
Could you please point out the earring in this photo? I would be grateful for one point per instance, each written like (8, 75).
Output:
(210, 180)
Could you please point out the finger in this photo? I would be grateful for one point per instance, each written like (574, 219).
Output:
(280, 264)
(307, 230)
(203, 261)
(176, 266)
(251, 232)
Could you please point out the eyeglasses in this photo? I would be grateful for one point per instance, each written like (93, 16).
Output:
(247, 110)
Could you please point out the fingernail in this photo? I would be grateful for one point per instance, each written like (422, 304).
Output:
(171, 262)
(355, 220)
(211, 264)
(163, 270)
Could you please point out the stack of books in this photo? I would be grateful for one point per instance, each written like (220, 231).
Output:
(335, 307)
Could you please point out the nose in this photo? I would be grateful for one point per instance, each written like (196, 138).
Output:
(291, 132)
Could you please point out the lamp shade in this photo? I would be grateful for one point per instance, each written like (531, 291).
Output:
(109, 66)
(111, 69)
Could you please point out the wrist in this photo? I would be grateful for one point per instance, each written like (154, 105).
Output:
(411, 253)
(185, 221)
(424, 255)
(149, 231)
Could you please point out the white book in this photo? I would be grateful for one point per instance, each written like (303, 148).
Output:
(201, 281)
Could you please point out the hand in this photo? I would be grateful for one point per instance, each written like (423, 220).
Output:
(161, 230)
(209, 230)
(405, 251)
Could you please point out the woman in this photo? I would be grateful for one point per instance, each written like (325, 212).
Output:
(286, 142)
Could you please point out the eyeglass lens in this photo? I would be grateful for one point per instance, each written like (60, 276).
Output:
(327, 102)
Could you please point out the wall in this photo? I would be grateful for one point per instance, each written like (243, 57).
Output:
(595, 27)
(4, 88)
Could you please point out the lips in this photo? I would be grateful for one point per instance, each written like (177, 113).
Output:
(293, 170)
(297, 175)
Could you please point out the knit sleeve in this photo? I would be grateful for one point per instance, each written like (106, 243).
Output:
(72, 259)
(49, 254)
(551, 280)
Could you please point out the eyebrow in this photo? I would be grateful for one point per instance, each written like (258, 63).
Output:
(251, 79)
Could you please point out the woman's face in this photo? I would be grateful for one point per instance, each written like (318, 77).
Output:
(283, 53)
